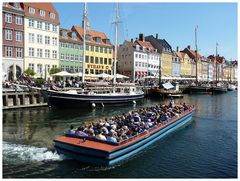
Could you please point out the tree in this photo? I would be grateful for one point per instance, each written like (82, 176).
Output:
(29, 72)
(54, 70)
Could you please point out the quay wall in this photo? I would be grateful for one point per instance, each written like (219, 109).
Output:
(13, 100)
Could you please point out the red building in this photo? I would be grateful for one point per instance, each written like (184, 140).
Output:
(12, 40)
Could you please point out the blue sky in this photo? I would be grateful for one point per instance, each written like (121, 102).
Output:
(175, 22)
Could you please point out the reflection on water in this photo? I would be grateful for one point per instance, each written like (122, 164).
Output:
(207, 148)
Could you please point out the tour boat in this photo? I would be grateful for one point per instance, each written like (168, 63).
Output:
(104, 153)
(73, 98)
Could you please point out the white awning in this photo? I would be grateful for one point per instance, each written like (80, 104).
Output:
(63, 74)
(168, 85)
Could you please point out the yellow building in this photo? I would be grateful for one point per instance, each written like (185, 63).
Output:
(186, 64)
(99, 55)
(166, 63)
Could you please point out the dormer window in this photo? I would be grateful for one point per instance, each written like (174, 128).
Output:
(98, 39)
(31, 10)
(42, 13)
(64, 33)
(137, 47)
(52, 15)
(74, 35)
(16, 5)
(88, 37)
(107, 41)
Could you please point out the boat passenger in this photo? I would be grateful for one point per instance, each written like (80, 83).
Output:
(100, 136)
(112, 138)
(71, 131)
(80, 132)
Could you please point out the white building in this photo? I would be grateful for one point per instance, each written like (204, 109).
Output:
(41, 32)
(138, 59)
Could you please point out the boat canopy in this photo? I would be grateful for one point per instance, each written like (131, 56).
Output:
(168, 86)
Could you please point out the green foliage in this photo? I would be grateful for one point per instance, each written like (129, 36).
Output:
(39, 82)
(29, 72)
(54, 70)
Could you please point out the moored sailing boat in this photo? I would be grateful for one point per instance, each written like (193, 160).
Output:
(75, 98)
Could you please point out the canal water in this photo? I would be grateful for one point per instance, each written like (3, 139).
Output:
(206, 148)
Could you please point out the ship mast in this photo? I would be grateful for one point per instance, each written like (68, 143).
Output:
(116, 22)
(216, 63)
(84, 43)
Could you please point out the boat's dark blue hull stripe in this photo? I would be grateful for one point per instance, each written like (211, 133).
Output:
(101, 157)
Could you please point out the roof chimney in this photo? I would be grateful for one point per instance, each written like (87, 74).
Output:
(189, 47)
(177, 49)
(141, 37)
(132, 40)
(156, 35)
(136, 39)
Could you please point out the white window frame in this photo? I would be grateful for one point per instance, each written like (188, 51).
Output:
(31, 23)
(62, 56)
(19, 20)
(31, 37)
(52, 15)
(31, 52)
(47, 40)
(8, 34)
(39, 39)
(31, 66)
(31, 10)
(39, 68)
(18, 35)
(42, 12)
(39, 24)
(54, 28)
(8, 51)
(19, 52)
(8, 18)
(54, 41)
(39, 52)
(47, 53)
(47, 26)
(54, 54)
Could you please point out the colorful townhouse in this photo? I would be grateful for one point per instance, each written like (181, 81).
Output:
(41, 42)
(99, 55)
(166, 54)
(196, 57)
(186, 64)
(70, 51)
(218, 63)
(138, 59)
(176, 66)
(12, 40)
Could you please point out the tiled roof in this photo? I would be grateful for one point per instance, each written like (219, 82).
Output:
(11, 6)
(69, 37)
(180, 55)
(93, 35)
(146, 44)
(47, 7)
(194, 53)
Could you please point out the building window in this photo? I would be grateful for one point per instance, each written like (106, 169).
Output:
(47, 40)
(19, 20)
(42, 13)
(19, 52)
(52, 15)
(96, 60)
(39, 39)
(54, 54)
(31, 10)
(76, 57)
(8, 34)
(62, 68)
(105, 61)
(31, 52)
(47, 53)
(48, 68)
(54, 28)
(105, 50)
(8, 18)
(62, 56)
(18, 36)
(39, 52)
(97, 49)
(91, 71)
(39, 24)
(39, 68)
(67, 56)
(92, 48)
(87, 47)
(92, 60)
(110, 61)
(47, 26)
(54, 41)
(72, 57)
(31, 66)
(31, 23)
(81, 47)
(110, 51)
(101, 49)
(87, 59)
(101, 60)
(9, 51)
(31, 38)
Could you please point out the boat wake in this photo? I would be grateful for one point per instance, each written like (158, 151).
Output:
(26, 153)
